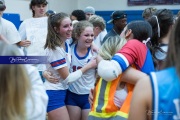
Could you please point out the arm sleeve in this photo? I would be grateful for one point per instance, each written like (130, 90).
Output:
(73, 77)
(56, 58)
(109, 70)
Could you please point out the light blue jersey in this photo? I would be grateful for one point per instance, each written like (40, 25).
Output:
(166, 95)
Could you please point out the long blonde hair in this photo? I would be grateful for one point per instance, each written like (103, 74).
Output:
(111, 46)
(14, 86)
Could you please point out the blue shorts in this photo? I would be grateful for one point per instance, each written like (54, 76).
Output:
(56, 99)
(77, 100)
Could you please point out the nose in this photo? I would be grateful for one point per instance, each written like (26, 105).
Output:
(71, 27)
(91, 37)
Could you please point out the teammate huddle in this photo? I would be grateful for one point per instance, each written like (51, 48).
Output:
(75, 67)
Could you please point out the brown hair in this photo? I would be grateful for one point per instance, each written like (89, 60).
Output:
(53, 39)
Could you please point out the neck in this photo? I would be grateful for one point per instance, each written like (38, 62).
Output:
(81, 50)
(63, 46)
(117, 31)
(39, 16)
(165, 39)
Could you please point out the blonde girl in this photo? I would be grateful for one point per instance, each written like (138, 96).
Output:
(78, 92)
(15, 87)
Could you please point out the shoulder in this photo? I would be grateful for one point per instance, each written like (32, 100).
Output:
(135, 45)
(7, 22)
(57, 52)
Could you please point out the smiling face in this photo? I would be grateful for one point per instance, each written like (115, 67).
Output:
(86, 37)
(65, 29)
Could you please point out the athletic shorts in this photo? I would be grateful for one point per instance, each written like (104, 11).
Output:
(77, 100)
(56, 99)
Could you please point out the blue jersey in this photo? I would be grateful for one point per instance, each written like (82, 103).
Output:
(166, 95)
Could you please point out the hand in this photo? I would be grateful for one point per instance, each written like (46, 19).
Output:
(24, 43)
(92, 63)
(90, 98)
(48, 75)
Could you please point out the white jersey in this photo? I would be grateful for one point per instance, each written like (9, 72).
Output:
(86, 82)
(57, 59)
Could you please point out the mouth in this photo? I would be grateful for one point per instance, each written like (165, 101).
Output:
(88, 41)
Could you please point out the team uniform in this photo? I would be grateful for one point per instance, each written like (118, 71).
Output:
(57, 59)
(137, 53)
(78, 91)
(166, 96)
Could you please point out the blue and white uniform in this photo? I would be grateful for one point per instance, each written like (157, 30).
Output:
(81, 87)
(166, 94)
(57, 59)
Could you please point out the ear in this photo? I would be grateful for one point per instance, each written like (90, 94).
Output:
(95, 28)
(76, 36)
(33, 7)
(128, 33)
(55, 29)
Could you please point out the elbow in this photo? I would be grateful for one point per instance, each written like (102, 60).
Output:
(109, 70)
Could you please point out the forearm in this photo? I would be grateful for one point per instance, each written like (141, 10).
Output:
(73, 77)
(132, 75)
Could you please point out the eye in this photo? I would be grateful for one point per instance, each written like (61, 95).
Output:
(86, 35)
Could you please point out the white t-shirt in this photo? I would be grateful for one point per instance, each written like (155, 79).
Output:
(100, 38)
(9, 31)
(87, 80)
(35, 30)
(36, 103)
(57, 59)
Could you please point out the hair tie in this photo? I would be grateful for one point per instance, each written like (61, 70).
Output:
(146, 41)
(158, 25)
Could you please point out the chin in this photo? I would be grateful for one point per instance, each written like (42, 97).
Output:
(89, 45)
(68, 37)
